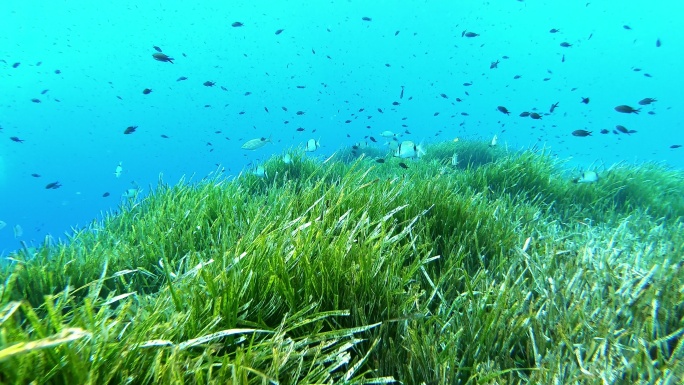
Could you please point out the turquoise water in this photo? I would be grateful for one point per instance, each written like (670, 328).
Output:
(89, 62)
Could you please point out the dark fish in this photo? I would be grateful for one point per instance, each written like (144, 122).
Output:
(403, 165)
(156, 48)
(162, 57)
(209, 84)
(494, 64)
(553, 107)
(444, 96)
(279, 31)
(395, 103)
(401, 95)
(146, 91)
(164, 136)
(130, 130)
(373, 139)
(36, 100)
(435, 114)
(469, 34)
(604, 131)
(535, 115)
(380, 110)
(16, 139)
(676, 146)
(647, 101)
(58, 72)
(44, 92)
(237, 24)
(106, 194)
(53, 186)
(524, 114)
(366, 18)
(181, 78)
(35, 175)
(554, 30)
(658, 43)
(300, 129)
(565, 44)
(622, 129)
(284, 108)
(516, 77)
(15, 65)
(626, 27)
(468, 84)
(627, 109)
(503, 110)
(300, 87)
(396, 33)
(301, 112)
(224, 88)
(581, 133)
(380, 160)
(585, 100)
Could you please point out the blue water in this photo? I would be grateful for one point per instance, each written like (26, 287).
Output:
(103, 51)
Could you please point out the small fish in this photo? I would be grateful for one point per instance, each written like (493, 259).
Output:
(35, 175)
(503, 110)
(657, 42)
(130, 129)
(604, 131)
(581, 133)
(260, 172)
(553, 107)
(585, 100)
(366, 18)
(565, 44)
(53, 186)
(494, 64)
(237, 24)
(16, 139)
(524, 114)
(300, 129)
(15, 65)
(312, 145)
(209, 83)
(403, 165)
(554, 30)
(408, 149)
(106, 194)
(156, 48)
(301, 113)
(494, 142)
(146, 91)
(254, 144)
(181, 78)
(118, 170)
(379, 160)
(647, 101)
(535, 116)
(627, 109)
(162, 57)
(587, 177)
(401, 95)
(469, 34)
(676, 146)
(279, 31)
(622, 129)
(36, 100)
(164, 136)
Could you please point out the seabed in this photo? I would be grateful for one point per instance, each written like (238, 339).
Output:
(494, 270)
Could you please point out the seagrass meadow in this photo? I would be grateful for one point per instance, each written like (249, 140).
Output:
(494, 270)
